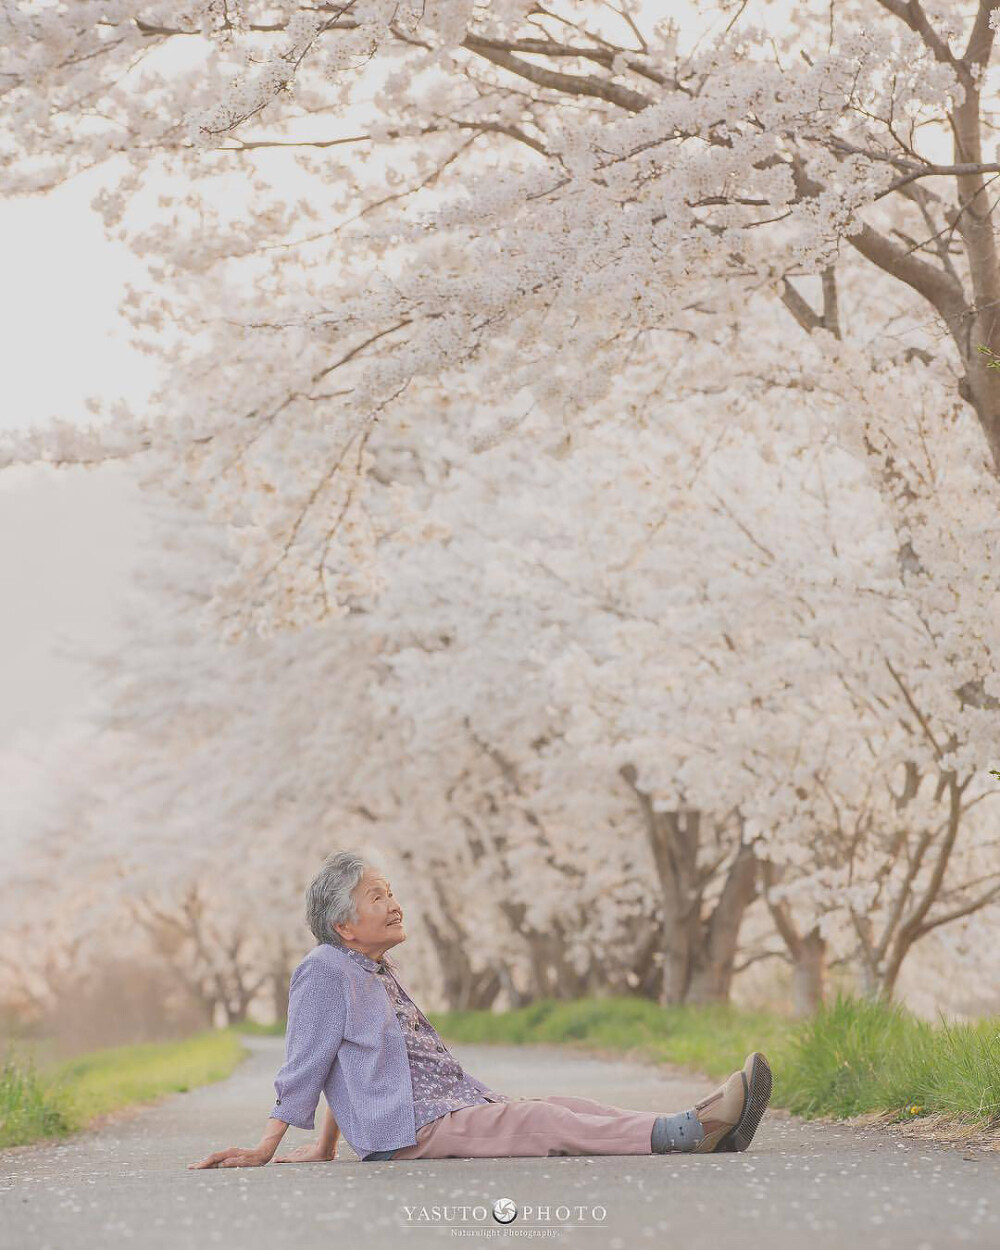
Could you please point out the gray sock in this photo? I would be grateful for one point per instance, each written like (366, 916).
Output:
(682, 1131)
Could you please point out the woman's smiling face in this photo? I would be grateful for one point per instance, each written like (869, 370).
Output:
(380, 918)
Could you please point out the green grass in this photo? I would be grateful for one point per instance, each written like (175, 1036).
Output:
(59, 1100)
(714, 1040)
(859, 1057)
(854, 1057)
(27, 1111)
(260, 1030)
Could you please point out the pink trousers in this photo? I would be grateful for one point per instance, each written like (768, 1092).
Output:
(534, 1126)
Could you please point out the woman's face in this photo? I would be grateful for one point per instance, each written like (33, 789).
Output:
(380, 918)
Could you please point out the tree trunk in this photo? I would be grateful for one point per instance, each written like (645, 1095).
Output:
(280, 982)
(871, 982)
(809, 974)
(465, 989)
(808, 954)
(680, 941)
(699, 950)
(484, 990)
(712, 972)
(515, 998)
(455, 971)
(912, 915)
(709, 985)
(976, 226)
(645, 969)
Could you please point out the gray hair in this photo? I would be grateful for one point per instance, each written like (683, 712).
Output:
(330, 897)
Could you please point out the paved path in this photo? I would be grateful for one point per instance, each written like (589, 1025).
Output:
(800, 1184)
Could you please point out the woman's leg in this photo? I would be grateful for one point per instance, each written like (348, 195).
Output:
(583, 1104)
(532, 1127)
(557, 1125)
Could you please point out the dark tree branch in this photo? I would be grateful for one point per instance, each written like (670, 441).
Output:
(570, 84)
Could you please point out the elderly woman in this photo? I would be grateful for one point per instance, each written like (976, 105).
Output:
(397, 1092)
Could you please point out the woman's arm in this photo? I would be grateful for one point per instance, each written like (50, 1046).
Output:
(315, 1029)
(329, 1135)
(238, 1157)
(320, 1151)
(317, 1010)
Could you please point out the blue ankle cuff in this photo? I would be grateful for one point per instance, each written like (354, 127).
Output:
(682, 1131)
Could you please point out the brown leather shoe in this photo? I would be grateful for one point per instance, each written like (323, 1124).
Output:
(730, 1116)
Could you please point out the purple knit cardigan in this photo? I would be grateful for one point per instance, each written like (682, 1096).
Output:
(343, 1040)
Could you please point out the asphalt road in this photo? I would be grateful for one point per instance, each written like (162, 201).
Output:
(825, 1188)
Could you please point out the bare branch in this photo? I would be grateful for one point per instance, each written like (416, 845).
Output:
(601, 56)
(911, 12)
(799, 307)
(941, 171)
(937, 287)
(756, 959)
(913, 708)
(974, 905)
(571, 84)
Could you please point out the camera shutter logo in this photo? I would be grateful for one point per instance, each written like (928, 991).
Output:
(504, 1210)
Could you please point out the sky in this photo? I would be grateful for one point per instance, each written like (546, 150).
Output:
(69, 539)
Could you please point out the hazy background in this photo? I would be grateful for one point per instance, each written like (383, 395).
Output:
(69, 538)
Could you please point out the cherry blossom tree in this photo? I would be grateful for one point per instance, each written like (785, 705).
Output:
(712, 637)
(571, 667)
(606, 407)
(532, 190)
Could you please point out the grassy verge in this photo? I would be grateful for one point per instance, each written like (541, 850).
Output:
(714, 1040)
(853, 1058)
(56, 1101)
(859, 1057)
(260, 1030)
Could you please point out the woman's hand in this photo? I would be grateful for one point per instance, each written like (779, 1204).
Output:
(313, 1153)
(235, 1157)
